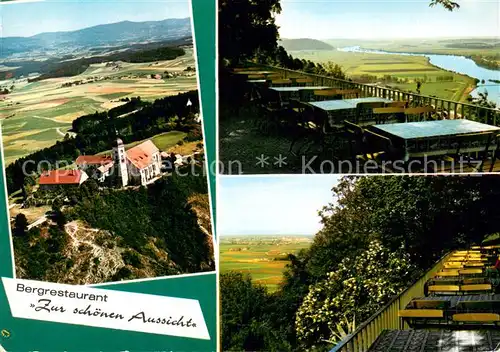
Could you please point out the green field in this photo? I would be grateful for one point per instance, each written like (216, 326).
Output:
(263, 257)
(163, 141)
(410, 68)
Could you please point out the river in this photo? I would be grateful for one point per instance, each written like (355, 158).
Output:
(458, 64)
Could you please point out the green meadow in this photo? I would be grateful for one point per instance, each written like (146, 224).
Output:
(263, 257)
(163, 141)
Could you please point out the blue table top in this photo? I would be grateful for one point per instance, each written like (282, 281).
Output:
(295, 89)
(331, 105)
(412, 130)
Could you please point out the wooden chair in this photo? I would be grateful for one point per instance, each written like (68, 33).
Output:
(281, 83)
(444, 289)
(273, 77)
(496, 153)
(489, 306)
(304, 123)
(388, 114)
(473, 264)
(421, 113)
(397, 104)
(377, 147)
(475, 281)
(256, 77)
(327, 94)
(428, 304)
(349, 93)
(304, 82)
(364, 111)
(354, 134)
(471, 143)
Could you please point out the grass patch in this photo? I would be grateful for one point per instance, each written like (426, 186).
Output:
(113, 96)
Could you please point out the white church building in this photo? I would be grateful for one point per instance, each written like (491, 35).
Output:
(141, 163)
(138, 165)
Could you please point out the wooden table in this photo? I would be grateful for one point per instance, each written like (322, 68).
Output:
(439, 137)
(345, 109)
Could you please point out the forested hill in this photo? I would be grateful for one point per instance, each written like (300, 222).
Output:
(78, 66)
(304, 44)
(97, 132)
(125, 32)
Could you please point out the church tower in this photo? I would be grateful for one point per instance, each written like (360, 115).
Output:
(120, 159)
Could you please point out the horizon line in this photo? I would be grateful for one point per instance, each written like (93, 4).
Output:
(394, 38)
(97, 25)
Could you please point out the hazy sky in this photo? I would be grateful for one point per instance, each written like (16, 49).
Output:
(273, 205)
(324, 19)
(27, 18)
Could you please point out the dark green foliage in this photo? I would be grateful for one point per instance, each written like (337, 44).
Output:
(123, 274)
(97, 133)
(56, 68)
(132, 258)
(245, 316)
(160, 211)
(36, 259)
(20, 225)
(247, 27)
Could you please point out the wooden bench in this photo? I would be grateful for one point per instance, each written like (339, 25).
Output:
(421, 313)
(444, 288)
(470, 271)
(447, 273)
(475, 288)
(476, 317)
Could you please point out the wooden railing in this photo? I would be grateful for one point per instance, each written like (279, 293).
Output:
(447, 108)
(387, 317)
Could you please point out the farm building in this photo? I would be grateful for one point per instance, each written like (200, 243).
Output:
(139, 165)
(100, 165)
(55, 178)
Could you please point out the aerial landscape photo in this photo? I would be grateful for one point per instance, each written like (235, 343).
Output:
(359, 87)
(102, 141)
(359, 263)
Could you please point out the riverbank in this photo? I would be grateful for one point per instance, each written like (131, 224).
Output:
(398, 71)
(460, 65)
(479, 59)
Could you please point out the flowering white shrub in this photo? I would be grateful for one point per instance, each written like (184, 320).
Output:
(359, 287)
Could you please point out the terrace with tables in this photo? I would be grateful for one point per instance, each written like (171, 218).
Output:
(343, 120)
(455, 306)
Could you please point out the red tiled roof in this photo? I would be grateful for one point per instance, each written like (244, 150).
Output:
(142, 155)
(61, 177)
(93, 159)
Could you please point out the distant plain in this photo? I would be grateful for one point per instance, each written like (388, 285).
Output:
(263, 257)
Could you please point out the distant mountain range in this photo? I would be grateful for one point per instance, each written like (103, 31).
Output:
(304, 44)
(120, 33)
